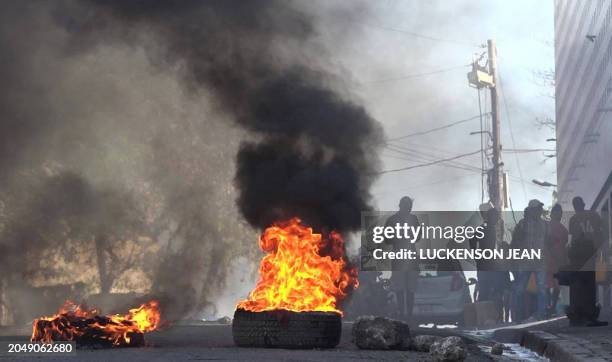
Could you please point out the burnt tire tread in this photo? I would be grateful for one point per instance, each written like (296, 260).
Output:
(285, 329)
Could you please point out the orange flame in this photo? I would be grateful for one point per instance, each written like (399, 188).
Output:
(75, 322)
(302, 272)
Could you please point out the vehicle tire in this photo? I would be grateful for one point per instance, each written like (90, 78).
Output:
(286, 329)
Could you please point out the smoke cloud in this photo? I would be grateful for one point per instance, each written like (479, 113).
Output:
(315, 156)
(142, 98)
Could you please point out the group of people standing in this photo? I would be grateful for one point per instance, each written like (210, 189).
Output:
(569, 258)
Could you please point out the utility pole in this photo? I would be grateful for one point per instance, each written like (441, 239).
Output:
(482, 77)
(495, 191)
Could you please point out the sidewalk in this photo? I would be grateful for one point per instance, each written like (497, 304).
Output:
(557, 341)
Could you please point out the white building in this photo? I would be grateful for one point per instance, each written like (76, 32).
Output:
(583, 95)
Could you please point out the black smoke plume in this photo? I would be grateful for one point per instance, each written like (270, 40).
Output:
(315, 150)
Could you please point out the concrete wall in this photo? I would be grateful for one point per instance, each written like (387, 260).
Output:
(584, 100)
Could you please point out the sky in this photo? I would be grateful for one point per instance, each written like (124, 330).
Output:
(393, 43)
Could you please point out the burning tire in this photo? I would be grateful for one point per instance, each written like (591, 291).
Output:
(87, 328)
(286, 329)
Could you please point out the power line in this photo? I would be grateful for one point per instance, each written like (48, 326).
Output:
(528, 150)
(422, 36)
(448, 180)
(442, 152)
(523, 182)
(429, 163)
(434, 129)
(441, 164)
(441, 181)
(451, 164)
(518, 163)
(415, 75)
(419, 155)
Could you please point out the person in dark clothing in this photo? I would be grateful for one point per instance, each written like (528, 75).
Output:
(493, 281)
(503, 285)
(484, 274)
(404, 272)
(531, 232)
(585, 229)
(555, 256)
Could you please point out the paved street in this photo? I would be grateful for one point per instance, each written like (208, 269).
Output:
(214, 342)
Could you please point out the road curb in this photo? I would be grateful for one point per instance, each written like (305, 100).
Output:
(558, 348)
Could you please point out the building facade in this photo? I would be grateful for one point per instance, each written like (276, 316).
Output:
(583, 96)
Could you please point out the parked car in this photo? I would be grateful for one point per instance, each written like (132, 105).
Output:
(441, 295)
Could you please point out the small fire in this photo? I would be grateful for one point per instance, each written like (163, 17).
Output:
(85, 325)
(303, 271)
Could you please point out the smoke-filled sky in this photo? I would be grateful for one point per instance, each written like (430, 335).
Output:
(386, 52)
(373, 49)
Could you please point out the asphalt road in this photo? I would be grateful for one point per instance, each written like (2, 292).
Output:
(214, 342)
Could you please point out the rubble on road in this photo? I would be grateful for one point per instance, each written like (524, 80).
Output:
(497, 349)
(371, 332)
(448, 349)
(422, 343)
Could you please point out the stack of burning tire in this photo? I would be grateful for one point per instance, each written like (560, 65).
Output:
(294, 304)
